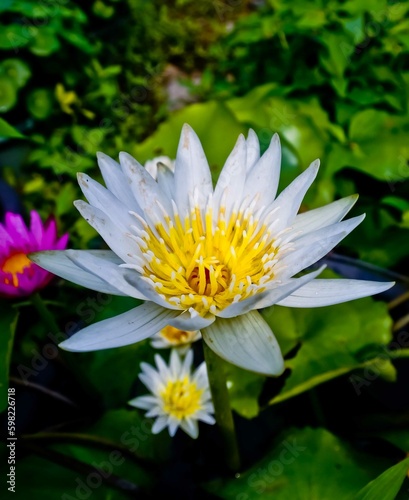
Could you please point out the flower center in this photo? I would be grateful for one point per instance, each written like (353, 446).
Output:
(181, 398)
(14, 265)
(174, 335)
(205, 264)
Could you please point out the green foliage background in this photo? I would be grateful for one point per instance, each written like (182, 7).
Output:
(332, 79)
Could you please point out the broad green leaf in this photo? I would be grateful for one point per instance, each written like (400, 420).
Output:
(6, 130)
(8, 324)
(17, 70)
(244, 389)
(387, 485)
(208, 120)
(303, 464)
(332, 341)
(366, 125)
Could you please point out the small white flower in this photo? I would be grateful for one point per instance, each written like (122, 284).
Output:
(174, 337)
(153, 166)
(205, 258)
(179, 398)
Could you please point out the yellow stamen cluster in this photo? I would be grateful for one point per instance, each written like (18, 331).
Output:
(207, 265)
(15, 264)
(181, 398)
(176, 336)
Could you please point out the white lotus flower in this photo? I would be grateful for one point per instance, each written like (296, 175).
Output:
(171, 337)
(179, 398)
(202, 258)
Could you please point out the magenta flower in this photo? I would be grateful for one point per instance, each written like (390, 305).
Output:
(19, 276)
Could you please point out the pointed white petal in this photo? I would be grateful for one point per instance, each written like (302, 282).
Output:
(324, 216)
(313, 246)
(57, 262)
(192, 173)
(148, 291)
(105, 270)
(116, 181)
(269, 297)
(206, 418)
(264, 176)
(190, 427)
(114, 237)
(253, 150)
(186, 321)
(144, 187)
(246, 341)
(232, 178)
(104, 200)
(166, 180)
(324, 292)
(173, 425)
(144, 402)
(159, 424)
(289, 200)
(127, 328)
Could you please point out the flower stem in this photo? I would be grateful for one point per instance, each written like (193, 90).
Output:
(222, 410)
(44, 313)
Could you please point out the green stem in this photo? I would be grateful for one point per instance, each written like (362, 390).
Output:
(222, 410)
(44, 313)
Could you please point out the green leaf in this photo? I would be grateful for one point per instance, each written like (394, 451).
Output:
(244, 389)
(8, 93)
(306, 463)
(17, 70)
(387, 485)
(40, 103)
(366, 125)
(6, 130)
(8, 324)
(332, 341)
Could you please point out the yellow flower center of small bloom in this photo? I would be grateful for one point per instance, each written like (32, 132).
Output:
(175, 336)
(181, 398)
(15, 265)
(204, 264)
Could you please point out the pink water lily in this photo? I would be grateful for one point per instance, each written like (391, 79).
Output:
(19, 276)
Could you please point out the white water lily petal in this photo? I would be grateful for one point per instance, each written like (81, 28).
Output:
(232, 178)
(159, 424)
(269, 297)
(313, 246)
(326, 292)
(289, 200)
(246, 341)
(106, 270)
(186, 321)
(58, 263)
(143, 402)
(116, 181)
(124, 329)
(192, 173)
(166, 180)
(253, 150)
(116, 239)
(263, 178)
(190, 427)
(323, 216)
(144, 187)
(99, 197)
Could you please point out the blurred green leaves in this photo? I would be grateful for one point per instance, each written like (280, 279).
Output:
(304, 463)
